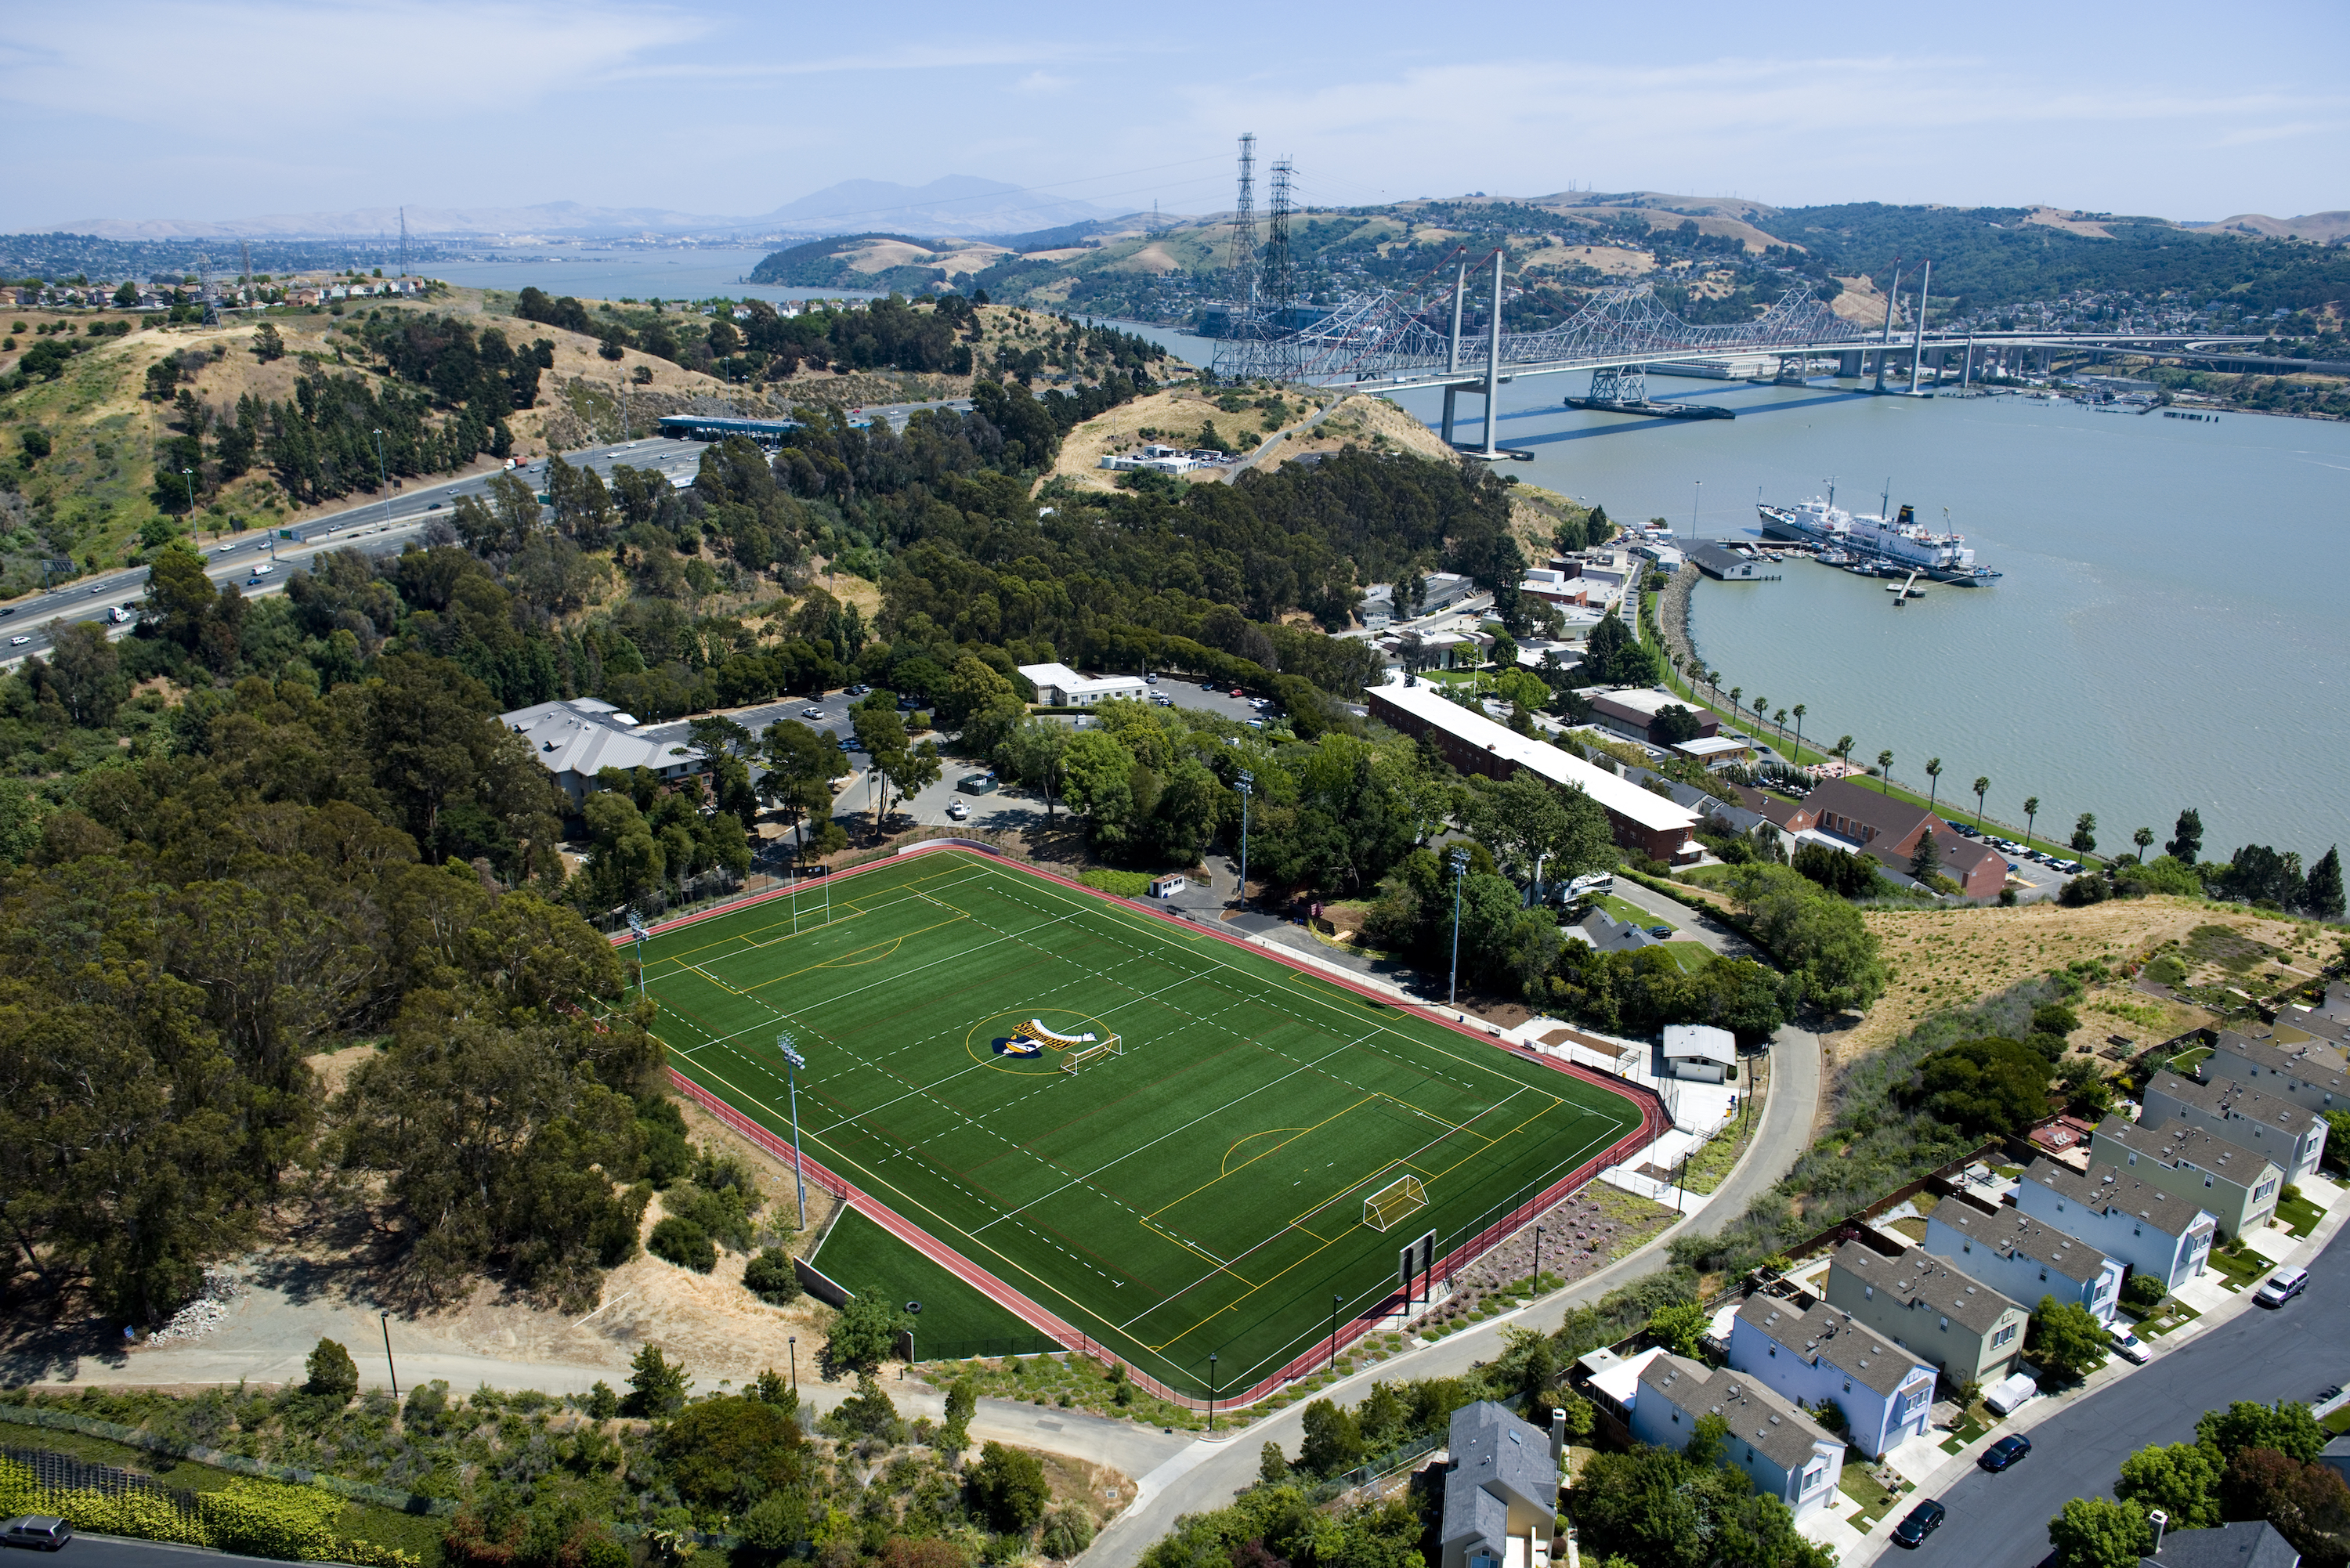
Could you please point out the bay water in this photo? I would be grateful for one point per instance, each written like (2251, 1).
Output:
(2169, 630)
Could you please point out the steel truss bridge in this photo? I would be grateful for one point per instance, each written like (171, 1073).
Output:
(1384, 338)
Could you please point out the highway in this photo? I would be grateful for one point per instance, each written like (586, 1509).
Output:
(381, 525)
(2002, 1521)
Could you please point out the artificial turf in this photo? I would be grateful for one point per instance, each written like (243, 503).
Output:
(1200, 1193)
(858, 1255)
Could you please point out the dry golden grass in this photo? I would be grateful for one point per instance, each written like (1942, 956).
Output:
(1361, 420)
(1944, 957)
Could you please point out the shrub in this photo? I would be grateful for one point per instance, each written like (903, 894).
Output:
(333, 1374)
(1067, 1532)
(1007, 1489)
(2144, 1292)
(771, 1277)
(684, 1243)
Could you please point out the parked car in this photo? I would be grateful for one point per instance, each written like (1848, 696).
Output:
(855, 691)
(1149, 679)
(957, 810)
(1662, 933)
(2281, 1287)
(1160, 699)
(811, 713)
(38, 1530)
(1918, 1522)
(2005, 1452)
(2129, 1346)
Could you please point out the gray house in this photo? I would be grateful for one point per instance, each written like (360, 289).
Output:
(575, 740)
(1924, 1305)
(2310, 1074)
(1501, 1496)
(2252, 1545)
(1783, 1452)
(2024, 1258)
(2252, 1119)
(2154, 1232)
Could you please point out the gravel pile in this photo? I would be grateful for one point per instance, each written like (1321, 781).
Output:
(206, 1313)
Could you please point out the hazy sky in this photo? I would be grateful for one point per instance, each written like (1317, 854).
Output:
(214, 110)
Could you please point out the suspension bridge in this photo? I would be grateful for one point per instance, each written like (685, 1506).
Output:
(1387, 338)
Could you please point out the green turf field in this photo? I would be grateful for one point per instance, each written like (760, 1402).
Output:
(858, 1255)
(1201, 1192)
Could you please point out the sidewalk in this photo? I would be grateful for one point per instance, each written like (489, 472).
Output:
(1930, 1467)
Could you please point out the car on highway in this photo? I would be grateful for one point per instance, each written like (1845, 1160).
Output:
(262, 570)
(2281, 1287)
(2004, 1452)
(18, 641)
(2129, 1346)
(1920, 1523)
(7, 609)
(44, 1531)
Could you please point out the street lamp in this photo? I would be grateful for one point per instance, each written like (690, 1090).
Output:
(1538, 1236)
(189, 474)
(384, 476)
(793, 1342)
(794, 1062)
(1460, 870)
(1246, 784)
(387, 1358)
(1211, 1391)
(637, 929)
(1695, 497)
(1333, 1363)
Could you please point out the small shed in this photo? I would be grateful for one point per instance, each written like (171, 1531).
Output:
(1701, 1052)
(1167, 886)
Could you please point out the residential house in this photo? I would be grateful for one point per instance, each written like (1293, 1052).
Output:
(1501, 1494)
(2152, 1230)
(2254, 1545)
(1813, 1353)
(1610, 935)
(1474, 744)
(2309, 1073)
(2024, 1258)
(1848, 815)
(1925, 1304)
(1059, 686)
(577, 740)
(1701, 1052)
(1784, 1452)
(2329, 1019)
(2238, 1187)
(2270, 1124)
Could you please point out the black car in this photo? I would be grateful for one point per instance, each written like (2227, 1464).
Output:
(1919, 1524)
(2004, 1452)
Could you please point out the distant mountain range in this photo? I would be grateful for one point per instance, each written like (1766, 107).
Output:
(957, 204)
(2324, 228)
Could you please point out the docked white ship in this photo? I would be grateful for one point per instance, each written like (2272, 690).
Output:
(1903, 542)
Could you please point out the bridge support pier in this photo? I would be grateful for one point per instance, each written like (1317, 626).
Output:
(1848, 363)
(1450, 392)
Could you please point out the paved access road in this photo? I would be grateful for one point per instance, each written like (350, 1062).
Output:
(2002, 1521)
(379, 526)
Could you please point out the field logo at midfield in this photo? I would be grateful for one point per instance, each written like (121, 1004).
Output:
(1028, 1039)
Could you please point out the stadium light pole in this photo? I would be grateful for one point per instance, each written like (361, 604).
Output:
(637, 929)
(1460, 870)
(387, 1363)
(793, 1063)
(1538, 1236)
(793, 1342)
(1246, 784)
(1333, 1363)
(1211, 1391)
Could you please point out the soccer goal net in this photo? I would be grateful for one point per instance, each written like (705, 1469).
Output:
(1396, 1201)
(1078, 1058)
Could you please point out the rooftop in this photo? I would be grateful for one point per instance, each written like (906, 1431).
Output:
(2012, 1234)
(1617, 794)
(586, 735)
(1756, 1415)
(1919, 1279)
(2313, 1061)
(2227, 1097)
(1820, 1331)
(2253, 1545)
(2176, 1143)
(2108, 1188)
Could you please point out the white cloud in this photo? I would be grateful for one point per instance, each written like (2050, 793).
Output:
(1043, 82)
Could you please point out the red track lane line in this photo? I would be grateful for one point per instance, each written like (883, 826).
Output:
(1653, 1123)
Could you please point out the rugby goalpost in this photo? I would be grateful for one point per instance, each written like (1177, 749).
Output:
(1398, 1200)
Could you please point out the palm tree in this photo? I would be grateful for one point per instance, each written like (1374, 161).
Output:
(1761, 709)
(1798, 710)
(2031, 810)
(1782, 722)
(1844, 750)
(1982, 788)
(2142, 838)
(1933, 780)
(1735, 693)
(1885, 772)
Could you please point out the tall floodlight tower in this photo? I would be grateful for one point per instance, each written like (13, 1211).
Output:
(1279, 270)
(1241, 261)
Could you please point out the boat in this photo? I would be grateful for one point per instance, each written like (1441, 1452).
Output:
(1654, 411)
(1875, 545)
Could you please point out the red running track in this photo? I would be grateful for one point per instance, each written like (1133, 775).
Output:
(1654, 1122)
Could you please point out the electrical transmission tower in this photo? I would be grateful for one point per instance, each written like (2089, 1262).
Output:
(1243, 262)
(1280, 272)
